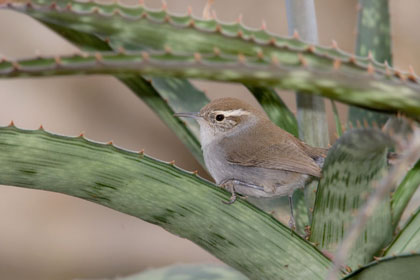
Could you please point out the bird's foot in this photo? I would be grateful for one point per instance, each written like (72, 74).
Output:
(232, 199)
(292, 223)
(229, 186)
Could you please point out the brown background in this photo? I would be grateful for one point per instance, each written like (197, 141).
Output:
(52, 236)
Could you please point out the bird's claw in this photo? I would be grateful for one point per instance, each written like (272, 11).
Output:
(231, 200)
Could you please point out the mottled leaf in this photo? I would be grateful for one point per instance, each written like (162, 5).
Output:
(189, 272)
(408, 239)
(241, 235)
(352, 166)
(399, 267)
(374, 37)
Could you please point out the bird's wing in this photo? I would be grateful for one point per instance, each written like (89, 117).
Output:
(283, 156)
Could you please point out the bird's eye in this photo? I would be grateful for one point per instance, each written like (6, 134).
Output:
(220, 117)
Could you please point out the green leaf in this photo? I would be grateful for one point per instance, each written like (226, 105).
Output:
(404, 193)
(180, 94)
(296, 65)
(385, 96)
(242, 236)
(312, 120)
(146, 91)
(399, 267)
(352, 166)
(338, 127)
(373, 35)
(189, 272)
(408, 239)
(275, 108)
(164, 97)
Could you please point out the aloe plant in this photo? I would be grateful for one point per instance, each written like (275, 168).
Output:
(154, 53)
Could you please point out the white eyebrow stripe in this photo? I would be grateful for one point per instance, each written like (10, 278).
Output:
(234, 113)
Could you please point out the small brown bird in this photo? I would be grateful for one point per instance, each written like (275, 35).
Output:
(248, 154)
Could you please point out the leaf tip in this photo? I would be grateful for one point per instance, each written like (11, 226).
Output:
(274, 60)
(370, 69)
(310, 49)
(216, 51)
(53, 6)
(302, 60)
(336, 64)
(98, 57)
(164, 6)
(241, 58)
(239, 19)
(263, 26)
(145, 56)
(296, 35)
(272, 41)
(57, 60)
(121, 50)
(167, 49)
(197, 57)
(334, 44)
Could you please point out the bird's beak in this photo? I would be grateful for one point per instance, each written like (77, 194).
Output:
(194, 115)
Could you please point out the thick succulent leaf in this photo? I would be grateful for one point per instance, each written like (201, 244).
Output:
(146, 91)
(387, 96)
(311, 116)
(352, 166)
(399, 267)
(275, 108)
(408, 239)
(374, 36)
(338, 126)
(242, 236)
(189, 272)
(269, 60)
(405, 191)
(159, 95)
(180, 94)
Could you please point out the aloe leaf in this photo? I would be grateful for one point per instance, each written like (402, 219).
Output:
(182, 96)
(158, 94)
(242, 236)
(338, 127)
(218, 68)
(405, 191)
(275, 108)
(189, 272)
(146, 91)
(374, 36)
(408, 239)
(313, 126)
(391, 268)
(299, 66)
(352, 166)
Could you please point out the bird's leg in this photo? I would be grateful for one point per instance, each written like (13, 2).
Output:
(229, 184)
(292, 223)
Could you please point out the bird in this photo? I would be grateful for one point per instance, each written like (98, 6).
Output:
(247, 154)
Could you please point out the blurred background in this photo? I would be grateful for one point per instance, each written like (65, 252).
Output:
(51, 236)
